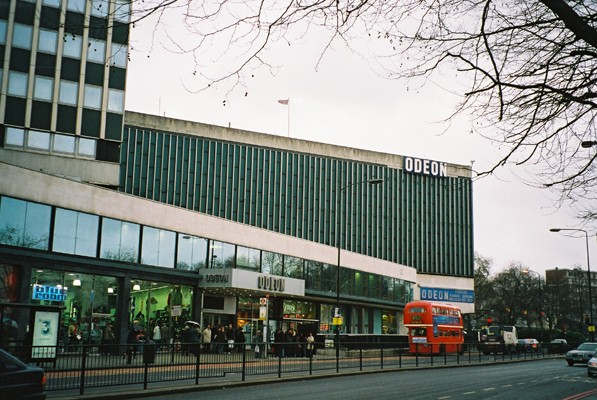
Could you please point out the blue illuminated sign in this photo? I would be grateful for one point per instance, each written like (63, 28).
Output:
(48, 293)
(448, 295)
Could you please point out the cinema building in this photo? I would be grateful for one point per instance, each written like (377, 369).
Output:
(109, 215)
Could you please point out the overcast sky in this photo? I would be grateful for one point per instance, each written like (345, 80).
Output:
(345, 103)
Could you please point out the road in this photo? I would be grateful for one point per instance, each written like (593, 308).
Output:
(537, 380)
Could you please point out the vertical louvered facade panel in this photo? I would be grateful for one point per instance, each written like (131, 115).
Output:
(415, 220)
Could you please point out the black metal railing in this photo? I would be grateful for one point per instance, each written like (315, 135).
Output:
(82, 367)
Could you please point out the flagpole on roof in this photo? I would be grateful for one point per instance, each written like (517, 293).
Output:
(286, 102)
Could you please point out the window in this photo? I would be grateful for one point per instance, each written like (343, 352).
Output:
(86, 147)
(119, 55)
(157, 247)
(100, 8)
(76, 5)
(22, 36)
(221, 255)
(68, 92)
(64, 144)
(44, 88)
(24, 224)
(119, 240)
(122, 11)
(247, 258)
(47, 41)
(3, 31)
(73, 44)
(93, 97)
(271, 263)
(293, 267)
(17, 83)
(15, 137)
(52, 3)
(75, 233)
(192, 252)
(313, 275)
(115, 101)
(96, 51)
(38, 140)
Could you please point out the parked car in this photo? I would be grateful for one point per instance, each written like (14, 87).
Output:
(582, 354)
(20, 381)
(528, 345)
(592, 366)
(558, 346)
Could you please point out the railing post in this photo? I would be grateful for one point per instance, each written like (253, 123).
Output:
(83, 366)
(197, 366)
(416, 354)
(244, 348)
(360, 359)
(381, 357)
(279, 366)
(400, 357)
(145, 368)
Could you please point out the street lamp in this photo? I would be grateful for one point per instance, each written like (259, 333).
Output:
(374, 181)
(591, 326)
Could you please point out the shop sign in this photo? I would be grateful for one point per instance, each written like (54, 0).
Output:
(448, 295)
(176, 311)
(49, 293)
(425, 167)
(216, 278)
(45, 334)
(271, 283)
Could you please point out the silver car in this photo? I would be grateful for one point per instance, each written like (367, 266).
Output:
(582, 354)
(592, 366)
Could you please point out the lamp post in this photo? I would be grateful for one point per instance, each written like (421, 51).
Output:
(591, 327)
(374, 181)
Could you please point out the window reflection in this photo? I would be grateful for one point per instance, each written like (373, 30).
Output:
(247, 258)
(73, 44)
(192, 252)
(75, 233)
(38, 140)
(158, 247)
(293, 267)
(24, 224)
(47, 41)
(271, 263)
(119, 240)
(22, 36)
(221, 255)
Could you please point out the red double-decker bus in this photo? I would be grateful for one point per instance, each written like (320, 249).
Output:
(433, 328)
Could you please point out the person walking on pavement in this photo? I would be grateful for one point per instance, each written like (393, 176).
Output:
(206, 338)
(310, 346)
(108, 339)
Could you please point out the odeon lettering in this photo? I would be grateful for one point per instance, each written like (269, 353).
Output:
(271, 283)
(216, 278)
(434, 294)
(425, 167)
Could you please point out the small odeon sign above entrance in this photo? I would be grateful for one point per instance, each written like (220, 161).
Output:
(425, 167)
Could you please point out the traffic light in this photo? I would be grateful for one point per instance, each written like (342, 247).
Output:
(489, 321)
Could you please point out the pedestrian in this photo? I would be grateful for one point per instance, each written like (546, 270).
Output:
(184, 340)
(259, 347)
(302, 342)
(230, 333)
(222, 341)
(240, 340)
(194, 340)
(132, 344)
(107, 339)
(280, 343)
(206, 338)
(157, 335)
(310, 346)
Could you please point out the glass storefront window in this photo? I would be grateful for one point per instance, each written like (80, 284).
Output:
(163, 303)
(293, 267)
(221, 255)
(389, 322)
(192, 252)
(247, 258)
(272, 263)
(119, 240)
(75, 233)
(158, 247)
(24, 224)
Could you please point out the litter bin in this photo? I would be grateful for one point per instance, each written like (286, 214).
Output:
(149, 352)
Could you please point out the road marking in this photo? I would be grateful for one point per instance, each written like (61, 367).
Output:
(508, 385)
(445, 397)
(488, 389)
(473, 392)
